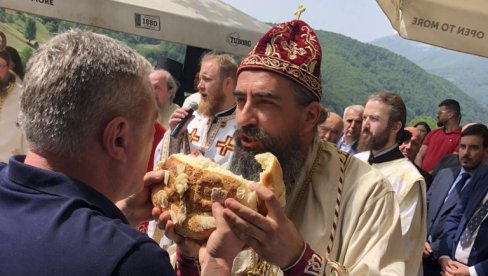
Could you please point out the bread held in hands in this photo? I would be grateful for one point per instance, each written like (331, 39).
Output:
(192, 183)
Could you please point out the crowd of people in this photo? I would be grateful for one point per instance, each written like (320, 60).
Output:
(365, 194)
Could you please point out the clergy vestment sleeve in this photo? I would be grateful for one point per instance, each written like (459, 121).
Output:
(411, 212)
(379, 249)
(172, 145)
(409, 187)
(311, 263)
(186, 267)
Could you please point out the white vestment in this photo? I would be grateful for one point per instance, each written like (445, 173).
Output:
(212, 137)
(409, 187)
(346, 211)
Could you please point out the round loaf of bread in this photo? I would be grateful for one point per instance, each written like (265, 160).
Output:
(192, 183)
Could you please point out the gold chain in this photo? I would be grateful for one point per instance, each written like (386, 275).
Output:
(260, 267)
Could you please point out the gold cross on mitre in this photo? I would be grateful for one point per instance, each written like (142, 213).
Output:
(299, 11)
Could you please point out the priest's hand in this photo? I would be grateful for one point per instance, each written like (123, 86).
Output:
(222, 243)
(274, 237)
(217, 255)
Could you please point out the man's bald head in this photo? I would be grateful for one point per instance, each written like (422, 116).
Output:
(164, 86)
(332, 128)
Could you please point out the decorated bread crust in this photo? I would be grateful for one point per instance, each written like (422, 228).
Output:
(192, 183)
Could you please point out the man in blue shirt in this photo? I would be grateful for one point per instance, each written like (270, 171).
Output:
(88, 112)
(353, 118)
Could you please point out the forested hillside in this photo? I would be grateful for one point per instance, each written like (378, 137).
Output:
(14, 25)
(468, 72)
(351, 70)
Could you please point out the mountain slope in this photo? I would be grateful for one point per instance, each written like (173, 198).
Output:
(468, 72)
(352, 70)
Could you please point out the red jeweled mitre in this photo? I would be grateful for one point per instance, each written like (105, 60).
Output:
(290, 49)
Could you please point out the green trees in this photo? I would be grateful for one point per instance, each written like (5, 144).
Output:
(25, 54)
(429, 120)
(30, 30)
(3, 15)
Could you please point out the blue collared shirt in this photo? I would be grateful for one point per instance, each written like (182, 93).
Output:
(352, 149)
(51, 224)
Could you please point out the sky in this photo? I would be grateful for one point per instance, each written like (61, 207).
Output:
(360, 19)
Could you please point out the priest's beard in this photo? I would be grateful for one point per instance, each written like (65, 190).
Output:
(287, 151)
(369, 141)
(213, 103)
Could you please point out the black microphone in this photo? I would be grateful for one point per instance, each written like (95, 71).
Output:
(193, 106)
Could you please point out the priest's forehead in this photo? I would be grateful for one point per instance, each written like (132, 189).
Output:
(271, 85)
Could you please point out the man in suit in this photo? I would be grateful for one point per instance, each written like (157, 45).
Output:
(461, 252)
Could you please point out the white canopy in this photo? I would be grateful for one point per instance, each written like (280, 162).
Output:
(208, 24)
(452, 24)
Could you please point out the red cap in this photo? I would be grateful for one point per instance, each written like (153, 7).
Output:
(290, 49)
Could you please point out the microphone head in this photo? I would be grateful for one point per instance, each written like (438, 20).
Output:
(193, 106)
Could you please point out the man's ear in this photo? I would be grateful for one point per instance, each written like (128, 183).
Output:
(311, 116)
(450, 114)
(397, 126)
(115, 138)
(229, 84)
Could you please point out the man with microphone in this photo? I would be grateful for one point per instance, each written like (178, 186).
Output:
(206, 127)
(210, 128)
